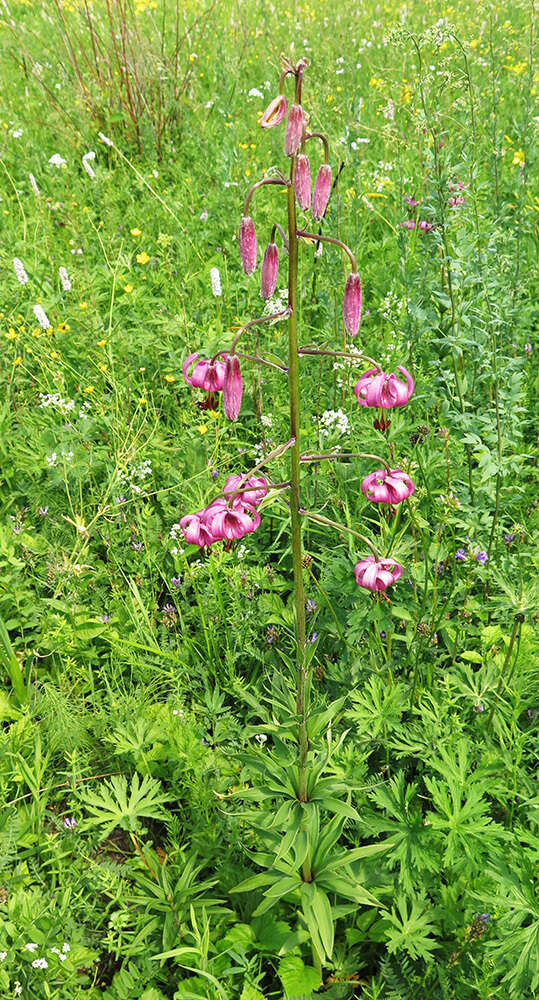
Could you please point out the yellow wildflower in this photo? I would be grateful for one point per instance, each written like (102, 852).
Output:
(136, 232)
(142, 258)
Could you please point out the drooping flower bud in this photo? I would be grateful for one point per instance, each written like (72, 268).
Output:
(295, 126)
(275, 112)
(352, 304)
(322, 191)
(248, 245)
(302, 182)
(270, 267)
(232, 388)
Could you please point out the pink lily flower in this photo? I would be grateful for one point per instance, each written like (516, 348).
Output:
(248, 244)
(322, 191)
(252, 492)
(232, 388)
(226, 522)
(207, 375)
(195, 529)
(385, 486)
(275, 112)
(377, 575)
(375, 388)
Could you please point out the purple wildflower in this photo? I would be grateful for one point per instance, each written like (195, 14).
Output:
(479, 707)
(482, 558)
(460, 555)
(70, 823)
(311, 606)
(176, 581)
(408, 224)
(413, 202)
(43, 511)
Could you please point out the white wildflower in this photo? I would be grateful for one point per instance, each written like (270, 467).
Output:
(57, 161)
(17, 989)
(17, 132)
(31, 946)
(3, 956)
(40, 963)
(21, 274)
(108, 142)
(86, 164)
(255, 93)
(33, 185)
(42, 317)
(64, 278)
(204, 215)
(215, 278)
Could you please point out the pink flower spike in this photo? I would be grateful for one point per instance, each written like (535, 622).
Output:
(352, 304)
(252, 492)
(207, 375)
(377, 575)
(270, 269)
(375, 388)
(425, 226)
(413, 202)
(322, 191)
(387, 487)
(295, 127)
(232, 388)
(248, 245)
(408, 224)
(275, 112)
(302, 182)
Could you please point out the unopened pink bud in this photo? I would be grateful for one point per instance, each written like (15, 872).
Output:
(295, 126)
(232, 388)
(302, 182)
(275, 112)
(248, 246)
(322, 191)
(352, 304)
(270, 267)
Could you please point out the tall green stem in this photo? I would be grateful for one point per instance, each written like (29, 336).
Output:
(295, 520)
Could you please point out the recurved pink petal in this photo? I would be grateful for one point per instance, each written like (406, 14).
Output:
(275, 112)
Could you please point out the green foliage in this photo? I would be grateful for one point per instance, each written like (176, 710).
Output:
(150, 817)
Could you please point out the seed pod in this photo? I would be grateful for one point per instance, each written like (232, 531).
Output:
(270, 267)
(248, 245)
(275, 112)
(322, 191)
(352, 304)
(302, 182)
(295, 126)
(232, 388)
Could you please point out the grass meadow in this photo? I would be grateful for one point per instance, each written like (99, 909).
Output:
(244, 770)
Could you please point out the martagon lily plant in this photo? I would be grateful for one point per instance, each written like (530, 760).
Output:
(302, 859)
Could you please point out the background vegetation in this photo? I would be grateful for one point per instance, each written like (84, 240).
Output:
(142, 679)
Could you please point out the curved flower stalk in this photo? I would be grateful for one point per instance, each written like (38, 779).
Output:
(375, 388)
(389, 486)
(377, 574)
